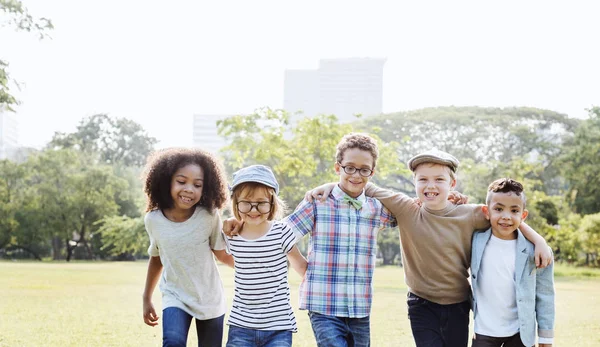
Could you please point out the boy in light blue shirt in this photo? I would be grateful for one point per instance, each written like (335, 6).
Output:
(509, 293)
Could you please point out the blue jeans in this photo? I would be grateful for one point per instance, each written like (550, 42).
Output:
(331, 331)
(435, 325)
(243, 337)
(176, 324)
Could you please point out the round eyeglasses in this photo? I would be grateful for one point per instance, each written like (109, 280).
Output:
(247, 206)
(350, 170)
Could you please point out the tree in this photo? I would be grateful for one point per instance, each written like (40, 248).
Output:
(301, 155)
(590, 230)
(580, 162)
(122, 236)
(74, 193)
(11, 178)
(482, 135)
(17, 16)
(388, 243)
(114, 140)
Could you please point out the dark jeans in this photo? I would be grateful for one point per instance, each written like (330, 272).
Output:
(331, 331)
(176, 324)
(490, 341)
(435, 325)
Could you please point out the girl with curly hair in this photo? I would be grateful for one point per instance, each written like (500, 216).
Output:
(185, 189)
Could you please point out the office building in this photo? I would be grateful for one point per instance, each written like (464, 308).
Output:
(344, 87)
(9, 134)
(205, 134)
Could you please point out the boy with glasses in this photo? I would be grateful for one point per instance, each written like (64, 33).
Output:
(337, 288)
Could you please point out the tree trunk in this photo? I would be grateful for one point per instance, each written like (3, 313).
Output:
(56, 248)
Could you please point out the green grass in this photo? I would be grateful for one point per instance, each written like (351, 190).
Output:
(561, 270)
(99, 304)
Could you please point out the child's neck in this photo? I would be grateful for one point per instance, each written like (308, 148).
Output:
(511, 236)
(253, 232)
(178, 215)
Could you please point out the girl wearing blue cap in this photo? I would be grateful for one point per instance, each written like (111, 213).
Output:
(185, 189)
(261, 314)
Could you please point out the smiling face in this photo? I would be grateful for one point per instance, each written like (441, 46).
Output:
(433, 183)
(186, 187)
(505, 212)
(354, 184)
(257, 198)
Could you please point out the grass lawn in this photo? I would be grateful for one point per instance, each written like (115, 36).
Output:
(99, 304)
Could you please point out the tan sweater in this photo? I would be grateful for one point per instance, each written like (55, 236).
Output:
(436, 245)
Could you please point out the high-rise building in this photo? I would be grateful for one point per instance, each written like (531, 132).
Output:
(205, 132)
(9, 134)
(344, 87)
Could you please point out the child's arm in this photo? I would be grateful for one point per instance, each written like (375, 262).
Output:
(543, 253)
(232, 227)
(321, 192)
(224, 257)
(544, 305)
(297, 260)
(154, 269)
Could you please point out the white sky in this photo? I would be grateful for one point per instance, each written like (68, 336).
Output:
(160, 62)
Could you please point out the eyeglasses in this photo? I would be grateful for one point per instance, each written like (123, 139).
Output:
(350, 170)
(247, 206)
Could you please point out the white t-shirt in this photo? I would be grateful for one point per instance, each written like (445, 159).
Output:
(190, 278)
(497, 313)
(262, 294)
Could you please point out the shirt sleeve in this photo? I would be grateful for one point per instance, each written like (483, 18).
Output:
(288, 239)
(388, 219)
(153, 249)
(302, 220)
(544, 302)
(216, 238)
(397, 203)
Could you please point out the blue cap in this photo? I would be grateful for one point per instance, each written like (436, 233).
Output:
(255, 173)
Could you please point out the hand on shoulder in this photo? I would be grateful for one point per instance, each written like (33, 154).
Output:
(232, 227)
(320, 193)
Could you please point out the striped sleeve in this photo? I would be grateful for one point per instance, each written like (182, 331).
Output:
(288, 239)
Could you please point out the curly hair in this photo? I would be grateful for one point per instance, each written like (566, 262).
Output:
(162, 165)
(505, 185)
(363, 142)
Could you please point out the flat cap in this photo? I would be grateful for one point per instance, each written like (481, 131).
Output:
(255, 173)
(434, 156)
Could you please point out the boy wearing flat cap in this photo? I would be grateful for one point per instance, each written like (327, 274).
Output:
(436, 248)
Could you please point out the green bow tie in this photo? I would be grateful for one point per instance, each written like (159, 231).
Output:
(352, 201)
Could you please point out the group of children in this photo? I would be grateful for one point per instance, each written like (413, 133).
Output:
(186, 189)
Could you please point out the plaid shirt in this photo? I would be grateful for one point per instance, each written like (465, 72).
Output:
(341, 255)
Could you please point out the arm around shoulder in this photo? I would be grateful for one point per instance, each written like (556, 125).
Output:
(543, 253)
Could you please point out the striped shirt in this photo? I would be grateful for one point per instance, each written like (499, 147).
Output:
(262, 294)
(341, 256)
